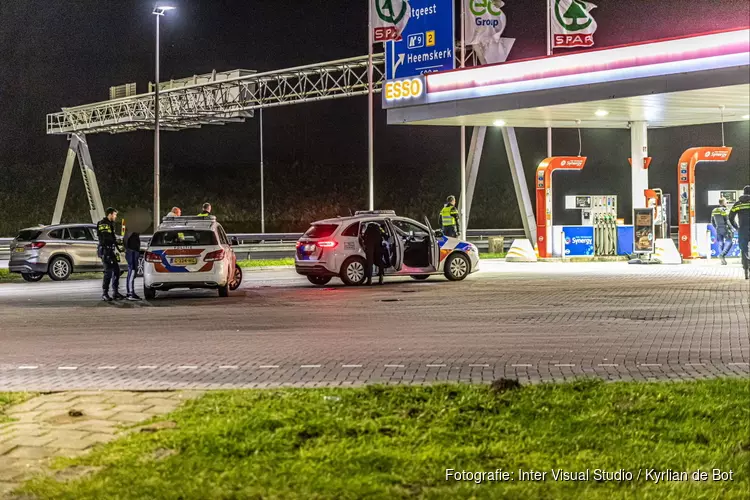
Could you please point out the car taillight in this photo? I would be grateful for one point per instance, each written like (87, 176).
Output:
(214, 256)
(152, 257)
(35, 245)
(327, 244)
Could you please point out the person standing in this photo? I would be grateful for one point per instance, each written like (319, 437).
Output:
(449, 218)
(132, 257)
(107, 251)
(372, 241)
(724, 229)
(739, 217)
(206, 210)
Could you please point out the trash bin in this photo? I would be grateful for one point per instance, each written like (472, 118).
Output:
(496, 244)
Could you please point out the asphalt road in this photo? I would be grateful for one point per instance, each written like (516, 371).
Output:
(534, 322)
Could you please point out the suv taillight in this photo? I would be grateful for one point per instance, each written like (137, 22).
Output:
(35, 245)
(214, 256)
(152, 257)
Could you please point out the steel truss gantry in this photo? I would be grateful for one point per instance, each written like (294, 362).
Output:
(214, 102)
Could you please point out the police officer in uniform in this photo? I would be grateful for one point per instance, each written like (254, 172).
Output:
(206, 210)
(449, 218)
(739, 217)
(107, 251)
(372, 241)
(724, 229)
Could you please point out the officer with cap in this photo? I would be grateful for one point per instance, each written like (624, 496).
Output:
(107, 251)
(739, 217)
(724, 229)
(449, 218)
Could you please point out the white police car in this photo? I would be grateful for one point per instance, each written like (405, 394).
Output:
(190, 252)
(331, 248)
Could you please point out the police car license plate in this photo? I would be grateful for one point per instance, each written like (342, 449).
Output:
(19, 250)
(185, 261)
(309, 248)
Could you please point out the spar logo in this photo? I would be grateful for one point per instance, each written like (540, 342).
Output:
(390, 18)
(572, 24)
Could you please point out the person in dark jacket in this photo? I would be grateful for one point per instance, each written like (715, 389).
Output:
(205, 210)
(739, 217)
(372, 241)
(132, 257)
(107, 251)
(724, 229)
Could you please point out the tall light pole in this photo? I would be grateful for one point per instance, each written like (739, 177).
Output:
(262, 193)
(158, 12)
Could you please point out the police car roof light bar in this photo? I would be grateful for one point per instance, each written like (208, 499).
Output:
(187, 218)
(375, 212)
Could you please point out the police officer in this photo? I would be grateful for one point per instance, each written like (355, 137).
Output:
(449, 218)
(372, 241)
(739, 217)
(206, 210)
(107, 251)
(724, 229)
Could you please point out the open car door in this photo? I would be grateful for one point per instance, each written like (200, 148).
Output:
(398, 246)
(435, 250)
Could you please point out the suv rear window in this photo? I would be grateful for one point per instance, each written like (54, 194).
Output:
(28, 235)
(183, 237)
(321, 230)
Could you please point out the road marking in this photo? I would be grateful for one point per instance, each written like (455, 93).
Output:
(695, 364)
(351, 366)
(608, 364)
(393, 366)
(650, 364)
(522, 366)
(564, 364)
(106, 367)
(310, 366)
(28, 367)
(268, 366)
(484, 366)
(187, 367)
(737, 364)
(147, 367)
(434, 366)
(228, 367)
(67, 367)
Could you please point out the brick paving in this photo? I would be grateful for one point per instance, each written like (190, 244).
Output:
(534, 322)
(42, 428)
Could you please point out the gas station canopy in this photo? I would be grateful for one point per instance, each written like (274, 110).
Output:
(666, 83)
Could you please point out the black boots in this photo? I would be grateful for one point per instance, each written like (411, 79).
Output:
(723, 260)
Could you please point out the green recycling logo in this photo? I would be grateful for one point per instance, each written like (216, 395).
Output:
(576, 12)
(391, 17)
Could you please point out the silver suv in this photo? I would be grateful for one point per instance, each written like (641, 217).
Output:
(57, 251)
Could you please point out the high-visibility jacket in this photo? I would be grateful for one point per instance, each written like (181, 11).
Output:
(720, 220)
(449, 216)
(204, 214)
(739, 216)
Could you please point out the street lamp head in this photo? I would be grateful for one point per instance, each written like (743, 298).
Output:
(160, 10)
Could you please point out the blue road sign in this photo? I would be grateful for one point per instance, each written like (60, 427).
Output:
(427, 41)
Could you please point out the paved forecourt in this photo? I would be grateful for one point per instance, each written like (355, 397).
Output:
(534, 322)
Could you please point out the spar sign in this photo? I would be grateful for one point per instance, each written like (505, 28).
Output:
(388, 19)
(572, 24)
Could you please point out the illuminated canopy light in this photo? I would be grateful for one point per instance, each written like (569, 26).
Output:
(746, 117)
(601, 112)
(499, 123)
(601, 60)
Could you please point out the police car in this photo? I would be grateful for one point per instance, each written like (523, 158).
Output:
(190, 252)
(331, 248)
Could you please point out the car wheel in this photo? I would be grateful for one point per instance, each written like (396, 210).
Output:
(139, 271)
(59, 269)
(237, 280)
(224, 291)
(32, 277)
(149, 293)
(457, 267)
(353, 271)
(319, 280)
(420, 277)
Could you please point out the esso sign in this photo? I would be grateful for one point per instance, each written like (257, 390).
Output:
(403, 89)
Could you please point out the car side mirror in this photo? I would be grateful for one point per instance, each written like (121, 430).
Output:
(234, 242)
(439, 233)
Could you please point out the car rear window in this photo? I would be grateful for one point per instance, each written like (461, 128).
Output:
(28, 235)
(183, 237)
(321, 230)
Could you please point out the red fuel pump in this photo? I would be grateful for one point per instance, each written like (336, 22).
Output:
(544, 197)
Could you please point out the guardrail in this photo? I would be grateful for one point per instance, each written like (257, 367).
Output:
(278, 245)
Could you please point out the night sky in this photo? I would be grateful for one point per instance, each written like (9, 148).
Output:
(65, 53)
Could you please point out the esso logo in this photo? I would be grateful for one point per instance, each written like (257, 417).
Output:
(403, 89)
